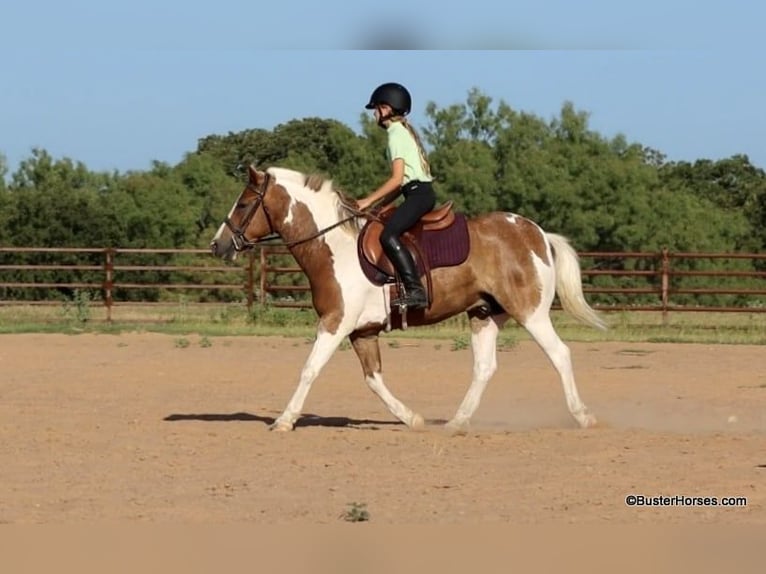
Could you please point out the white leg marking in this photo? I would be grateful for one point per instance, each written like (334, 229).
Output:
(324, 346)
(541, 328)
(483, 344)
(397, 408)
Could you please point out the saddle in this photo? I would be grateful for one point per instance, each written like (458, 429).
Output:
(438, 239)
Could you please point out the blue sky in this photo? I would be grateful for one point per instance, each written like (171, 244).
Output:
(119, 86)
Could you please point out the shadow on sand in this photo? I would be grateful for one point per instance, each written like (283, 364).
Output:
(307, 420)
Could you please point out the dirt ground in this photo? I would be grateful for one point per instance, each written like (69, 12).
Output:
(140, 427)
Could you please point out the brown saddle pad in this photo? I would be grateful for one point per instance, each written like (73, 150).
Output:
(441, 237)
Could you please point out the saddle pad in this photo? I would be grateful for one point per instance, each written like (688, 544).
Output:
(446, 247)
(442, 248)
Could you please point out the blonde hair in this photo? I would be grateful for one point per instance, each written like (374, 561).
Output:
(421, 150)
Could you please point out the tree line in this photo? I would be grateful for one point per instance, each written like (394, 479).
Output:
(605, 194)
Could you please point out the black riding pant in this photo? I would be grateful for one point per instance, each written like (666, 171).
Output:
(419, 199)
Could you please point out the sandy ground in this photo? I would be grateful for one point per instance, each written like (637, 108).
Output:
(137, 427)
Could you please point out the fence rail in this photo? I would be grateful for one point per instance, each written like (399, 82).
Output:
(269, 275)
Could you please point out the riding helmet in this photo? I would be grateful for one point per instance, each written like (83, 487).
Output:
(393, 94)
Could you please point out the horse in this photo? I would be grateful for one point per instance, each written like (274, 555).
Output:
(513, 269)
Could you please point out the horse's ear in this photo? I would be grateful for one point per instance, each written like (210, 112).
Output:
(253, 173)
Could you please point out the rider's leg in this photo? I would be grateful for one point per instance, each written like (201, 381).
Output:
(419, 199)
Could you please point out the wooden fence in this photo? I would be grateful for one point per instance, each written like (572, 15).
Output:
(269, 275)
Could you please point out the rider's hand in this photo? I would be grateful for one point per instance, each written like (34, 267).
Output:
(363, 204)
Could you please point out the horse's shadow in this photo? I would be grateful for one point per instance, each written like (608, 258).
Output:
(307, 420)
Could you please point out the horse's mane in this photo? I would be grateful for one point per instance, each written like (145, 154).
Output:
(319, 183)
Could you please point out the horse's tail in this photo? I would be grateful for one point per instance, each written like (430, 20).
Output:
(569, 283)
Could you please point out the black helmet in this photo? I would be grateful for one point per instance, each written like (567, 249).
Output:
(393, 94)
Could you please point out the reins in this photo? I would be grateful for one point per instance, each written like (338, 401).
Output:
(250, 243)
(320, 232)
(242, 243)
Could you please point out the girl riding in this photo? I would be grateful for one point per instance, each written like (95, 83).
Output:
(410, 177)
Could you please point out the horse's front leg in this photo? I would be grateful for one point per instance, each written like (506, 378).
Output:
(325, 345)
(368, 351)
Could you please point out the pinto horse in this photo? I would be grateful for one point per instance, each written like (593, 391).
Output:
(513, 269)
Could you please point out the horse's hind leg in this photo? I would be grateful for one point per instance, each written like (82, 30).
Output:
(484, 346)
(368, 350)
(540, 327)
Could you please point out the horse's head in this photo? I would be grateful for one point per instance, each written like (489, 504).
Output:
(252, 218)
(282, 202)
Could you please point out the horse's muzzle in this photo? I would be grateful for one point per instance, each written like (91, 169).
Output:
(223, 249)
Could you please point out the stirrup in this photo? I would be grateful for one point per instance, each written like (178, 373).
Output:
(404, 302)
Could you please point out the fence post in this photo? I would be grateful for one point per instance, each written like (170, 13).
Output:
(108, 281)
(262, 294)
(665, 284)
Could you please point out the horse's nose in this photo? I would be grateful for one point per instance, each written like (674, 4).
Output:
(214, 247)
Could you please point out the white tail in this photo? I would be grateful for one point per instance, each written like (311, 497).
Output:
(569, 283)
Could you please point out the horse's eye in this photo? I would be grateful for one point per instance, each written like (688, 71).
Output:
(241, 205)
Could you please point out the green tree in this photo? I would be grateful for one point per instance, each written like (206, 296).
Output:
(52, 202)
(236, 151)
(212, 189)
(463, 159)
(157, 211)
(3, 171)
(6, 204)
(572, 180)
(310, 145)
(732, 185)
(464, 172)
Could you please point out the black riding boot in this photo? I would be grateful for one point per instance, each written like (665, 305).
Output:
(414, 296)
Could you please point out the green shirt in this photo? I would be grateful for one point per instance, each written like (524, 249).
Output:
(401, 144)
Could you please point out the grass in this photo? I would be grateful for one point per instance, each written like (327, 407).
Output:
(356, 512)
(182, 343)
(233, 320)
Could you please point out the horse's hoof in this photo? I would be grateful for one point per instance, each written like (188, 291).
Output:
(281, 426)
(587, 421)
(457, 428)
(417, 422)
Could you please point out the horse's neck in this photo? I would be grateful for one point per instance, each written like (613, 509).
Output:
(335, 243)
(315, 226)
(321, 239)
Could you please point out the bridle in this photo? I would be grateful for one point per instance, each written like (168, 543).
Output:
(238, 238)
(242, 243)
